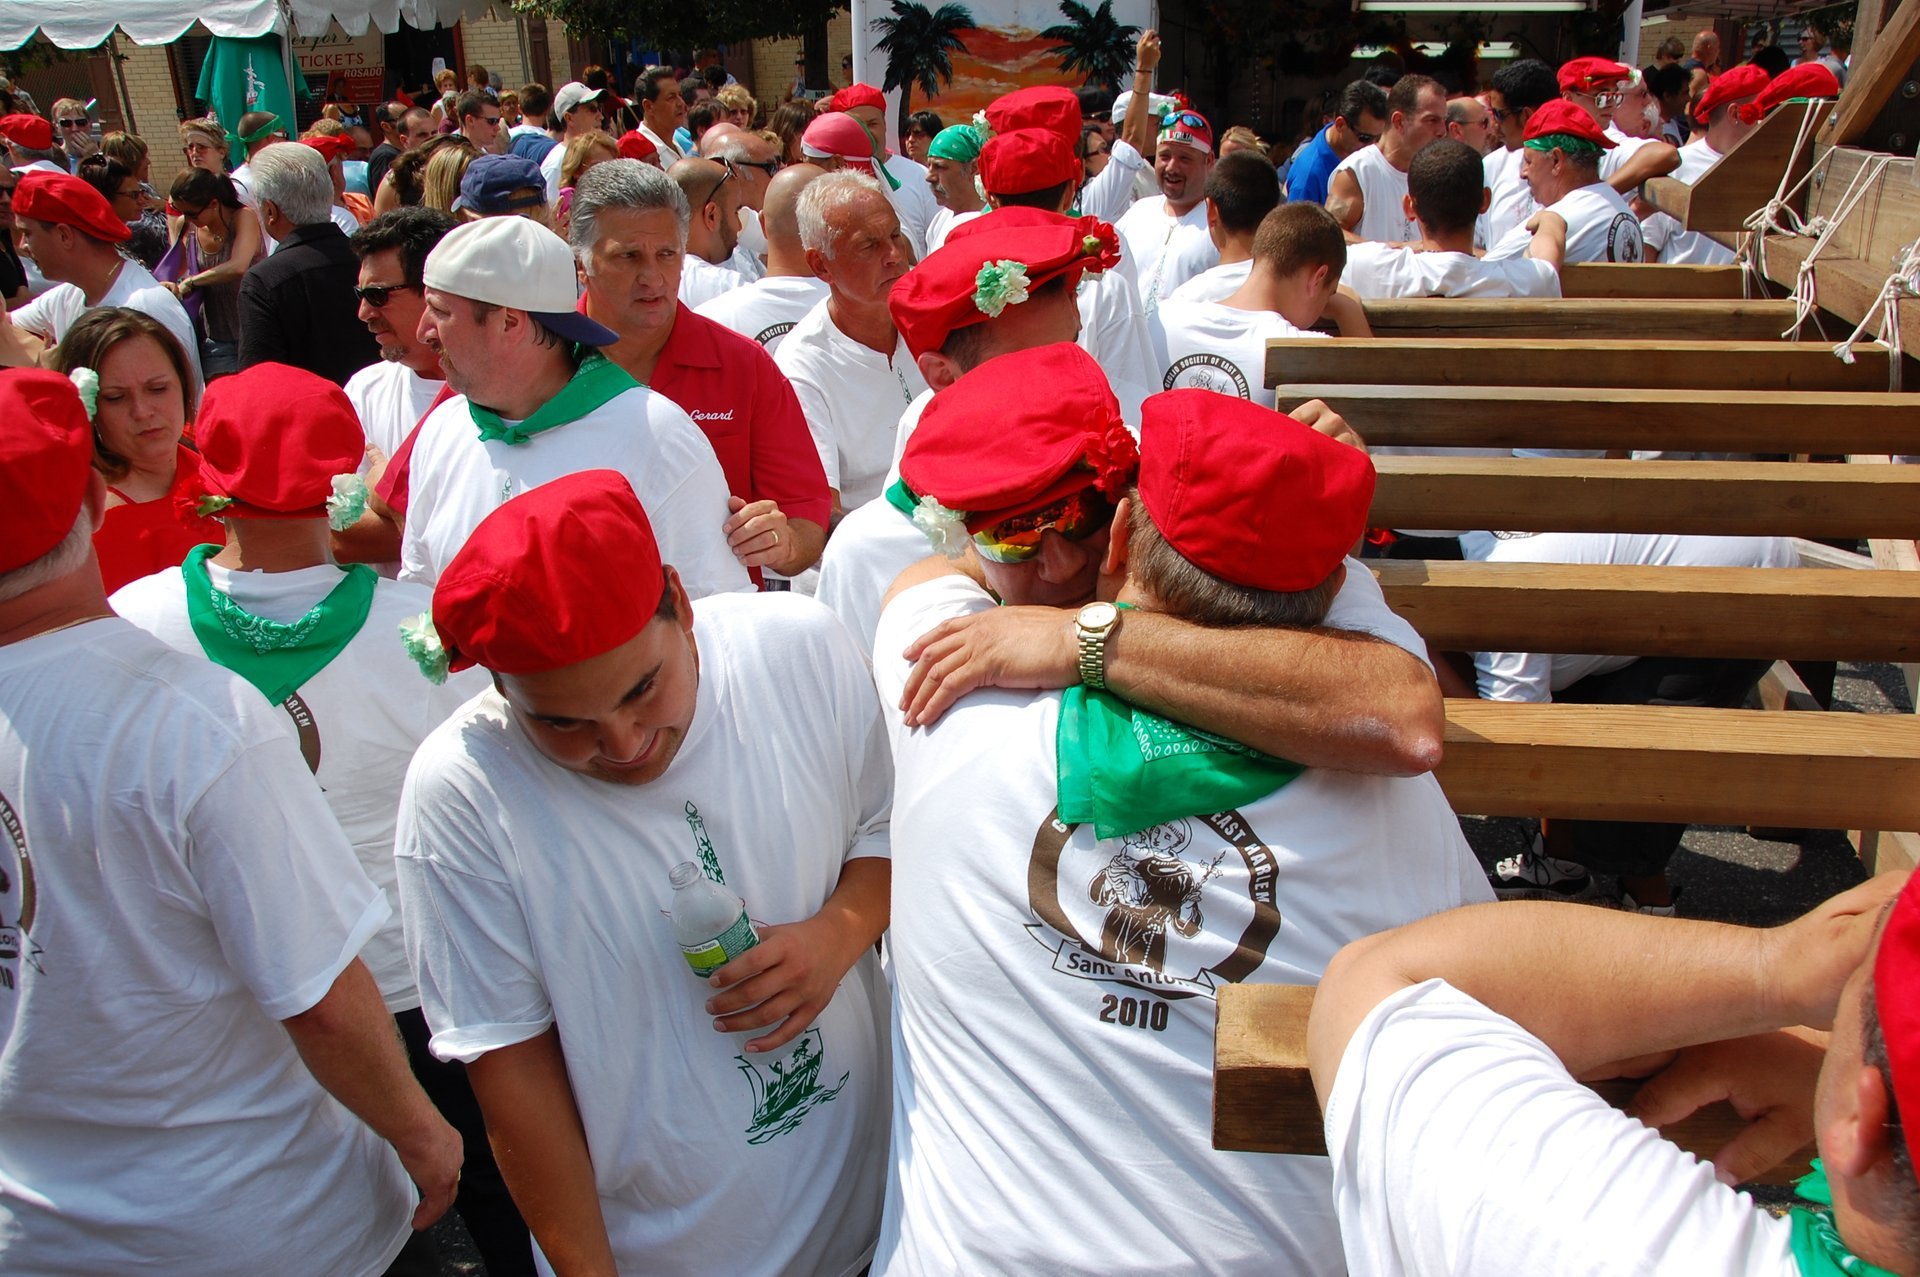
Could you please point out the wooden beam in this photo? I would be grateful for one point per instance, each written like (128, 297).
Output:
(1723, 498)
(1876, 76)
(1746, 177)
(1771, 364)
(1807, 614)
(1572, 417)
(1263, 1100)
(1578, 317)
(1623, 279)
(1701, 766)
(1845, 286)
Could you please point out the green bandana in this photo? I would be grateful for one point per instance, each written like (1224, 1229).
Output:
(594, 383)
(901, 497)
(1126, 770)
(880, 159)
(276, 658)
(960, 142)
(268, 129)
(1563, 142)
(1817, 1247)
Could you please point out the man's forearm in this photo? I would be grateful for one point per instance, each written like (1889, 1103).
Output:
(1319, 697)
(860, 903)
(1656, 159)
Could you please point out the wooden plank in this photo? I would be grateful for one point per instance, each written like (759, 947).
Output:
(1263, 1099)
(1876, 75)
(1610, 418)
(1807, 614)
(1623, 279)
(1723, 498)
(1519, 361)
(1723, 197)
(1886, 852)
(1844, 286)
(1703, 766)
(1566, 318)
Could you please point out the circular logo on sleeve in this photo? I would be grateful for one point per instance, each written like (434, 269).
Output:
(1207, 372)
(18, 899)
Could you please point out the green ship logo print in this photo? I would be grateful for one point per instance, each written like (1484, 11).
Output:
(788, 1090)
(703, 846)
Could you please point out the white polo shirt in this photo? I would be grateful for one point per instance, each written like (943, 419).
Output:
(852, 396)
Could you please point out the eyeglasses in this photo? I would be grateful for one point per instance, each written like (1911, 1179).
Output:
(490, 119)
(769, 167)
(726, 167)
(1366, 139)
(1017, 540)
(74, 124)
(378, 295)
(1498, 116)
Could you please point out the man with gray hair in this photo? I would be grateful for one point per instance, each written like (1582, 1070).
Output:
(298, 306)
(845, 358)
(712, 230)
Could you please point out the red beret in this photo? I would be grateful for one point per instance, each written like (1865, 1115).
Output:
(1586, 75)
(1896, 968)
(1021, 431)
(1248, 494)
(272, 438)
(635, 145)
(857, 95)
(1562, 116)
(66, 199)
(331, 146)
(834, 134)
(530, 590)
(1743, 81)
(46, 453)
(29, 131)
(1808, 80)
(1044, 106)
(1026, 160)
(969, 280)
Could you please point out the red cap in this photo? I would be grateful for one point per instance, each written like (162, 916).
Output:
(838, 135)
(1186, 128)
(530, 591)
(635, 145)
(331, 146)
(46, 453)
(1044, 106)
(1026, 160)
(1896, 968)
(29, 131)
(1743, 81)
(973, 278)
(66, 199)
(1808, 80)
(1589, 75)
(1021, 431)
(1562, 116)
(1249, 494)
(272, 438)
(857, 95)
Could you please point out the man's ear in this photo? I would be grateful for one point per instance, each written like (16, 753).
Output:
(710, 215)
(1114, 562)
(1486, 199)
(817, 263)
(1856, 1136)
(1406, 203)
(939, 371)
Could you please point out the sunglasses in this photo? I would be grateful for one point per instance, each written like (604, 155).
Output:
(769, 167)
(1366, 139)
(726, 167)
(378, 295)
(1017, 540)
(73, 124)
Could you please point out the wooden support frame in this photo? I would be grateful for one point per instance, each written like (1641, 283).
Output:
(1568, 318)
(1634, 363)
(1876, 76)
(1722, 498)
(1654, 281)
(1746, 177)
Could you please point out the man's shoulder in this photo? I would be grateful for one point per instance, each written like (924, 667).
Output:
(373, 378)
(806, 343)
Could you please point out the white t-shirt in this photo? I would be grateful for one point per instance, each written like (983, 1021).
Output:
(701, 281)
(188, 890)
(1511, 199)
(1216, 284)
(1166, 251)
(391, 399)
(536, 896)
(766, 309)
(1054, 994)
(1110, 192)
(458, 479)
(1383, 194)
(1459, 1144)
(1213, 346)
(1376, 270)
(849, 393)
(550, 169)
(358, 720)
(1622, 150)
(49, 315)
(1600, 228)
(1536, 676)
(869, 548)
(913, 201)
(944, 220)
(669, 153)
(1112, 328)
(1662, 230)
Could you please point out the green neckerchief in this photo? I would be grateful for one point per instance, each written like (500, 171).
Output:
(1125, 769)
(276, 658)
(272, 126)
(1817, 1247)
(597, 380)
(901, 497)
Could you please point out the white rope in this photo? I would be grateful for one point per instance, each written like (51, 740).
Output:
(1904, 282)
(1752, 254)
(1822, 229)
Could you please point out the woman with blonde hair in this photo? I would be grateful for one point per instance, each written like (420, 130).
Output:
(440, 187)
(738, 106)
(404, 183)
(205, 143)
(582, 153)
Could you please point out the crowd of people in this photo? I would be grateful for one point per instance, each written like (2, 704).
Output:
(453, 541)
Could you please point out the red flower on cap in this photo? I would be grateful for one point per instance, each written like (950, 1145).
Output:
(28, 131)
(855, 95)
(1896, 968)
(272, 441)
(66, 199)
(46, 454)
(1026, 160)
(954, 286)
(1021, 431)
(1561, 116)
(530, 591)
(331, 146)
(1590, 75)
(1808, 80)
(1248, 494)
(1743, 81)
(1043, 106)
(635, 145)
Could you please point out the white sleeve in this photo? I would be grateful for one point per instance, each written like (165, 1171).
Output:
(912, 613)
(1514, 676)
(1360, 606)
(1117, 339)
(1110, 193)
(40, 316)
(688, 515)
(856, 711)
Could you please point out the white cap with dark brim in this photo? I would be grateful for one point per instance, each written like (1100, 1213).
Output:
(517, 263)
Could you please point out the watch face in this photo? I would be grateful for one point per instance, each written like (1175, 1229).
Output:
(1095, 615)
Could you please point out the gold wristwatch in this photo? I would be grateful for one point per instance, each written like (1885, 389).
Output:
(1094, 624)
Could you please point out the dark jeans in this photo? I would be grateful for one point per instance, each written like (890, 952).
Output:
(1631, 848)
(1402, 547)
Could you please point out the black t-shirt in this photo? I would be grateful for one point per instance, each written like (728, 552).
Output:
(377, 161)
(13, 274)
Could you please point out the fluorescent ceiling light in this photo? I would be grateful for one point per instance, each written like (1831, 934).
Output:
(1495, 50)
(1473, 6)
(1654, 20)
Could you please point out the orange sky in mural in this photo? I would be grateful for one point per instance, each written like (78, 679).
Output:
(998, 60)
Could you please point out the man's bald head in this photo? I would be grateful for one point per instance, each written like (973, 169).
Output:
(780, 219)
(715, 225)
(716, 133)
(752, 156)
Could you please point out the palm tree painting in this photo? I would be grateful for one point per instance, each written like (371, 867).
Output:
(1093, 43)
(919, 45)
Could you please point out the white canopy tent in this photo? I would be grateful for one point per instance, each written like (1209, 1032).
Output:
(83, 24)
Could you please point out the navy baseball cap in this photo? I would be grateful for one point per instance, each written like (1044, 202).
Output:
(496, 184)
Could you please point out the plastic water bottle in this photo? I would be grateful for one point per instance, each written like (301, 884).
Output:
(710, 923)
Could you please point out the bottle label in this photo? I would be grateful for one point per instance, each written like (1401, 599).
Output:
(710, 955)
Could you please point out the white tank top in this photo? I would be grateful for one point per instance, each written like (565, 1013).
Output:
(1384, 190)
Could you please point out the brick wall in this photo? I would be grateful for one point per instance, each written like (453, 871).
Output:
(148, 102)
(1683, 28)
(493, 41)
(773, 70)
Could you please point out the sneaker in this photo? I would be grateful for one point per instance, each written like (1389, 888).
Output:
(1631, 905)
(1533, 871)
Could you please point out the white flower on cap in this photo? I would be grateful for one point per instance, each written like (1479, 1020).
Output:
(517, 263)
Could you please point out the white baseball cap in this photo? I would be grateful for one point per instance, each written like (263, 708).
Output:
(572, 94)
(516, 263)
